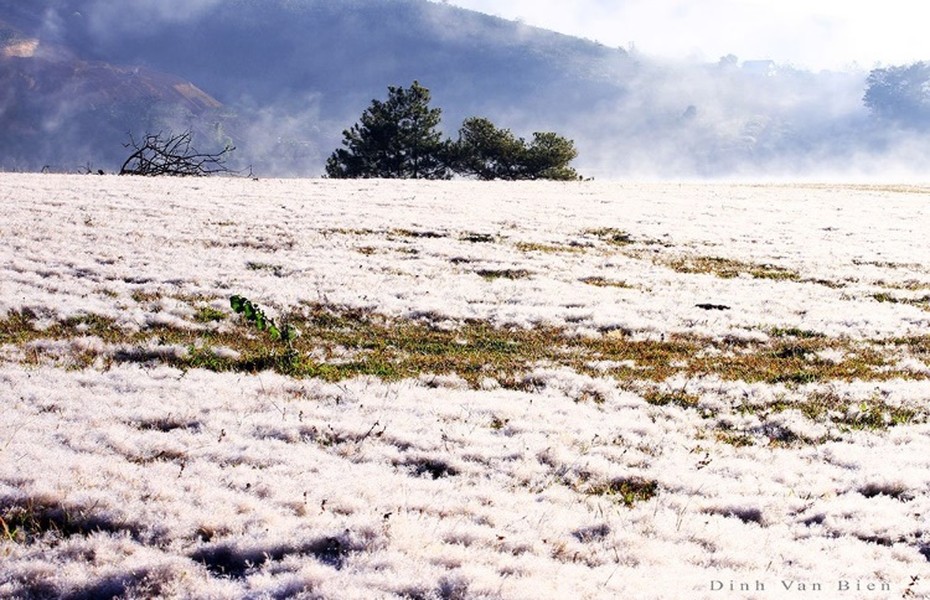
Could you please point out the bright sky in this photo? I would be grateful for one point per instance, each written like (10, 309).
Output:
(806, 33)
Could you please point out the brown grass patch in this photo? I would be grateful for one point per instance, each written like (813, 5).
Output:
(348, 342)
(728, 268)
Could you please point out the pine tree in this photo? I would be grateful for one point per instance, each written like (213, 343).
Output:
(487, 152)
(547, 157)
(394, 139)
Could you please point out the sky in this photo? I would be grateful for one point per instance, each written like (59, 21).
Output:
(813, 34)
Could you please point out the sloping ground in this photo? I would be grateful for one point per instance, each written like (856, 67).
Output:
(500, 390)
(61, 107)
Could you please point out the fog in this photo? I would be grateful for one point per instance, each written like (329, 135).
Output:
(284, 78)
(687, 119)
(826, 34)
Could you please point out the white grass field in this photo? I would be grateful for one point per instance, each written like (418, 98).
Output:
(535, 390)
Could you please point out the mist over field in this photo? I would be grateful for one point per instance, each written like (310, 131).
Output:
(281, 80)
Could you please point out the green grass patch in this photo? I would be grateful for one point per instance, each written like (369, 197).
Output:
(735, 438)
(478, 238)
(774, 273)
(728, 268)
(530, 247)
(875, 415)
(276, 270)
(205, 357)
(145, 297)
(883, 297)
(677, 398)
(823, 407)
(417, 234)
(603, 282)
(26, 520)
(208, 314)
(625, 490)
(612, 236)
(347, 231)
(18, 327)
(497, 423)
(923, 302)
(794, 332)
(795, 377)
(492, 274)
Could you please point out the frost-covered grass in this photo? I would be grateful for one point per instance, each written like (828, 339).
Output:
(499, 390)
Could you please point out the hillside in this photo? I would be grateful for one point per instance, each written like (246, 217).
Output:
(60, 110)
(294, 74)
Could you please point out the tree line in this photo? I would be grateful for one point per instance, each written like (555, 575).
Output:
(398, 139)
(394, 139)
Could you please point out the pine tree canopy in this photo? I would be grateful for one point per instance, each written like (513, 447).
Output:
(394, 139)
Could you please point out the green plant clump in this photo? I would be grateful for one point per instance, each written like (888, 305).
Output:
(253, 314)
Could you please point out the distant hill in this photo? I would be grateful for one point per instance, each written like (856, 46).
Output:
(58, 108)
(281, 79)
(291, 74)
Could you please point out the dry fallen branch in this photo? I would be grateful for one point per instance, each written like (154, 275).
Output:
(173, 155)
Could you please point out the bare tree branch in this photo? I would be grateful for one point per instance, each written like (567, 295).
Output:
(173, 155)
